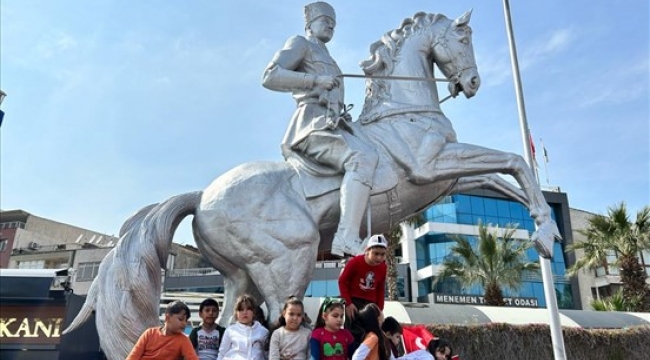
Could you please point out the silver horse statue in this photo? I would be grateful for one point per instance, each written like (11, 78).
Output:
(262, 224)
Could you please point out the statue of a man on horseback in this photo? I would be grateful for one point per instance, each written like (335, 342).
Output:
(318, 133)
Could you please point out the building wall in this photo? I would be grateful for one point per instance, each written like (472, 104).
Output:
(7, 239)
(86, 258)
(603, 281)
(53, 232)
(427, 247)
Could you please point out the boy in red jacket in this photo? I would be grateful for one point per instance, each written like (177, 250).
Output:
(363, 281)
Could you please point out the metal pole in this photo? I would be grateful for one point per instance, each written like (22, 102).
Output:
(559, 352)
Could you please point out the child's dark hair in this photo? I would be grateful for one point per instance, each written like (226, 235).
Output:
(177, 307)
(369, 317)
(244, 302)
(327, 306)
(391, 326)
(208, 302)
(291, 300)
(440, 344)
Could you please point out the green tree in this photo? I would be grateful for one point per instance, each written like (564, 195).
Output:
(616, 234)
(494, 263)
(393, 236)
(616, 302)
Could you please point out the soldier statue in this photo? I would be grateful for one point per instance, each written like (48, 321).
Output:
(319, 133)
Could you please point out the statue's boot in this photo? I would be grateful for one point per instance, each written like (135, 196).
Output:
(354, 200)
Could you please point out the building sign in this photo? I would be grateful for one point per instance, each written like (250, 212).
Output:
(36, 324)
(525, 302)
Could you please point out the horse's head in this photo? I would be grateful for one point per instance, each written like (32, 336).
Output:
(454, 54)
(401, 65)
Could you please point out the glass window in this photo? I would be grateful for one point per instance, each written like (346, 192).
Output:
(503, 208)
(477, 205)
(465, 219)
(34, 264)
(492, 220)
(3, 244)
(538, 292)
(517, 211)
(463, 204)
(87, 271)
(558, 253)
(319, 288)
(333, 288)
(490, 207)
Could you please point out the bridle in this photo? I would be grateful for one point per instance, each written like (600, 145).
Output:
(454, 78)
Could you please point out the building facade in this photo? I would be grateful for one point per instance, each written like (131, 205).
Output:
(25, 233)
(426, 248)
(605, 280)
(32, 242)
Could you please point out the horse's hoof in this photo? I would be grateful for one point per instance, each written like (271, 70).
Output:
(544, 238)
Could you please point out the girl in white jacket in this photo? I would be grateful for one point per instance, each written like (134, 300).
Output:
(245, 339)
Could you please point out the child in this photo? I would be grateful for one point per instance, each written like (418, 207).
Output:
(167, 342)
(374, 345)
(440, 349)
(206, 337)
(290, 341)
(363, 282)
(245, 339)
(328, 340)
(393, 331)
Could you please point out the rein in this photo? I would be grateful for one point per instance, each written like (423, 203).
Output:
(388, 77)
(409, 78)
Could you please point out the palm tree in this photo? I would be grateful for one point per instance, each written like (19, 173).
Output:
(615, 233)
(393, 237)
(616, 302)
(494, 263)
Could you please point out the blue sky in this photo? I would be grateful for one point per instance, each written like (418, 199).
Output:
(113, 105)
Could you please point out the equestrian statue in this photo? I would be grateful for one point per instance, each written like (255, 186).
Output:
(262, 224)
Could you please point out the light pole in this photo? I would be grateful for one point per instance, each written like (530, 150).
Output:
(559, 352)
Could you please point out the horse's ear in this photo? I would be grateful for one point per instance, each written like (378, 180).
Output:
(463, 20)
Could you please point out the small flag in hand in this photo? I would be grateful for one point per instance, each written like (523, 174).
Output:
(416, 338)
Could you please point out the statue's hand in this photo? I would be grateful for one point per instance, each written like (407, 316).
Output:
(326, 82)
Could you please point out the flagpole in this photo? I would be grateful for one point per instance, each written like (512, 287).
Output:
(557, 340)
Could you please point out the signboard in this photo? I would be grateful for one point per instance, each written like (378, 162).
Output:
(31, 324)
(525, 302)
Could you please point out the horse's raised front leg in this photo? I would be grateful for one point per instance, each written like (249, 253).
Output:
(490, 182)
(461, 160)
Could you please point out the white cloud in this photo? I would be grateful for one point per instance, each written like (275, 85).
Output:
(547, 47)
(616, 85)
(54, 44)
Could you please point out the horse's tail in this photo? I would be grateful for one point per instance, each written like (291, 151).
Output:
(126, 293)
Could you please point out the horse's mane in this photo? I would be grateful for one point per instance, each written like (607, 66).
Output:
(383, 53)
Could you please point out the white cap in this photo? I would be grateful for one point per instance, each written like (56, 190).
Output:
(377, 240)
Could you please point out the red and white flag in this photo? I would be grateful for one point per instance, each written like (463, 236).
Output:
(416, 338)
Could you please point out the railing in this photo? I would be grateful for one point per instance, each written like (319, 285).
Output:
(191, 272)
(538, 277)
(329, 264)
